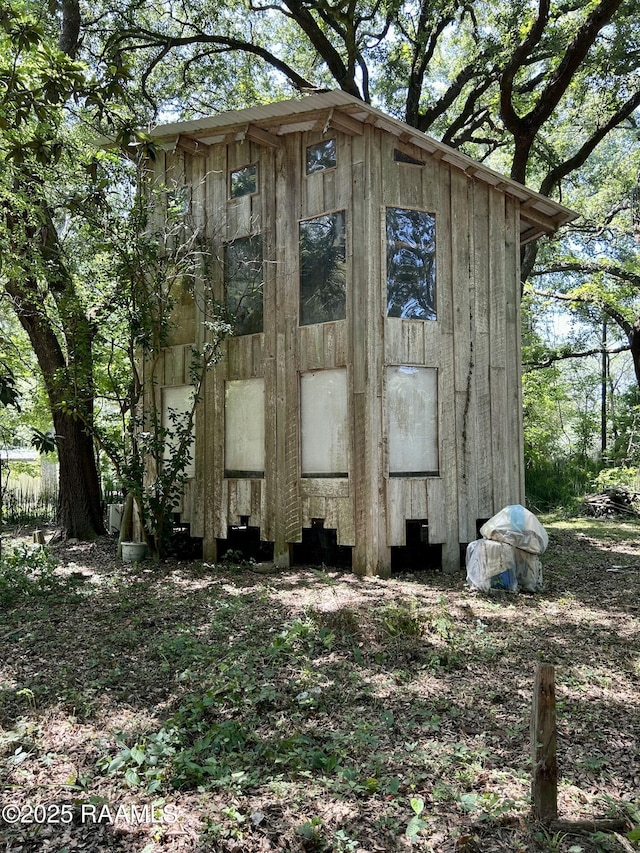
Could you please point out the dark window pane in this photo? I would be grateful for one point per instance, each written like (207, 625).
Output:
(401, 157)
(244, 181)
(411, 264)
(322, 269)
(321, 156)
(243, 284)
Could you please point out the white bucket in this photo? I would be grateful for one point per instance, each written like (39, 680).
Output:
(133, 552)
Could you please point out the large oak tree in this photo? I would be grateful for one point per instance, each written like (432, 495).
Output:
(39, 74)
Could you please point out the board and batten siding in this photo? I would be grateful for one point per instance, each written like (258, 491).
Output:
(473, 345)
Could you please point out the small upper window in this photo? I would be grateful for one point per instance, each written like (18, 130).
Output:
(321, 157)
(411, 264)
(401, 157)
(178, 201)
(243, 181)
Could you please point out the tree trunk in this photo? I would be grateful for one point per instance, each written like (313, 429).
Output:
(79, 497)
(634, 345)
(69, 387)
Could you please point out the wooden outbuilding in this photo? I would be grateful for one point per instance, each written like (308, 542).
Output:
(369, 400)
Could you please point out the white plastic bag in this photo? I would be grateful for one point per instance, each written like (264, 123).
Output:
(519, 527)
(528, 570)
(491, 565)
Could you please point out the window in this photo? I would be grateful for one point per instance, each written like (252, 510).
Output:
(178, 202)
(177, 403)
(243, 181)
(321, 157)
(324, 425)
(412, 412)
(400, 157)
(323, 283)
(244, 284)
(411, 264)
(244, 428)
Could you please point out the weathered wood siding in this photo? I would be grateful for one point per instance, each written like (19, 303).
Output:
(473, 344)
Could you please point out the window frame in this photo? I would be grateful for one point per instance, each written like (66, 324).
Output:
(385, 227)
(244, 473)
(326, 475)
(422, 473)
(225, 281)
(320, 171)
(332, 319)
(255, 165)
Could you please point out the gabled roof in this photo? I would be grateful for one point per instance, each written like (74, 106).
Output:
(342, 112)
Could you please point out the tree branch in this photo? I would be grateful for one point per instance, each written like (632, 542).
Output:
(590, 267)
(539, 365)
(511, 119)
(165, 44)
(627, 327)
(571, 61)
(554, 177)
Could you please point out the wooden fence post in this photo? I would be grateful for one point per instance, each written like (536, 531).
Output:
(544, 782)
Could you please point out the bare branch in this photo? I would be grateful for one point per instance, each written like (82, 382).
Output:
(591, 267)
(548, 362)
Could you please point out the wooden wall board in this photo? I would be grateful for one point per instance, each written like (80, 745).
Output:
(419, 506)
(515, 426)
(463, 348)
(482, 309)
(498, 351)
(327, 487)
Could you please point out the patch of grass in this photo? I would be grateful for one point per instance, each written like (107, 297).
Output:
(313, 715)
(27, 571)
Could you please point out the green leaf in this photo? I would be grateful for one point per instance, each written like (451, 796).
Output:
(132, 777)
(417, 804)
(415, 825)
(469, 802)
(138, 755)
(116, 764)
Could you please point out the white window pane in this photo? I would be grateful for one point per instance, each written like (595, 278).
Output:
(244, 427)
(177, 402)
(412, 407)
(325, 433)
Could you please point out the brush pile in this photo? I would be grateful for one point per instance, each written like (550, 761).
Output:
(612, 502)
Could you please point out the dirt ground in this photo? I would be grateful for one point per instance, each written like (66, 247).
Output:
(185, 707)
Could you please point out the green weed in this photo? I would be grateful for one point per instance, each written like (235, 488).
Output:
(27, 571)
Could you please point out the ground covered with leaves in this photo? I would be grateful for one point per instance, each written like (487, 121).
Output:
(187, 707)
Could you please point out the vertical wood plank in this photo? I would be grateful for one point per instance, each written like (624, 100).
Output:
(243, 497)
(288, 527)
(516, 491)
(544, 782)
(484, 454)
(418, 499)
(256, 506)
(346, 534)
(212, 445)
(463, 350)
(272, 295)
(398, 510)
(413, 341)
(498, 351)
(393, 340)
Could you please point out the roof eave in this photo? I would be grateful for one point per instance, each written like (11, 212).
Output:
(266, 124)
